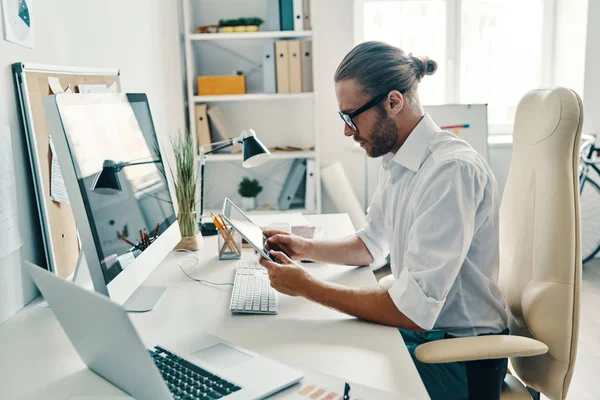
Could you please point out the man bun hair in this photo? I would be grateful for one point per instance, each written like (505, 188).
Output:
(379, 68)
(424, 66)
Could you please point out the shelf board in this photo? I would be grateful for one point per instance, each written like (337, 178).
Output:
(252, 97)
(250, 35)
(279, 155)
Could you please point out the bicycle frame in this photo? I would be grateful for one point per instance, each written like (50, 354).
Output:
(587, 163)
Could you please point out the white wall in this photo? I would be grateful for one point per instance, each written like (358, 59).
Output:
(591, 91)
(333, 22)
(141, 38)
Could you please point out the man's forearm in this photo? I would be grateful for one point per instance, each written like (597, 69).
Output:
(349, 250)
(374, 305)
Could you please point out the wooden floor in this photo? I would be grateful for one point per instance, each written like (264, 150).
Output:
(585, 384)
(586, 379)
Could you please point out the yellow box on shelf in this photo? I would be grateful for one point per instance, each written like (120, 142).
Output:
(221, 85)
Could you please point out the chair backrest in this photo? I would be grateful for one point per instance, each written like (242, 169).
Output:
(540, 236)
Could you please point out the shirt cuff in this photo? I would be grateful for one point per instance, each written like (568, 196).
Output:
(378, 253)
(411, 301)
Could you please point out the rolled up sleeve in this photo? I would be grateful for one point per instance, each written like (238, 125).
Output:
(373, 233)
(438, 242)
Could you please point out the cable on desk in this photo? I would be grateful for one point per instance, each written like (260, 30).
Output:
(196, 260)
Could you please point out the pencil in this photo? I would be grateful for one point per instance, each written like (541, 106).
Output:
(141, 237)
(228, 238)
(223, 221)
(127, 241)
(156, 230)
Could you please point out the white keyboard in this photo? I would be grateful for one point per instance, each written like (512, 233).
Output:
(252, 292)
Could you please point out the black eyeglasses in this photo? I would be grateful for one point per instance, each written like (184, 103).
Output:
(347, 118)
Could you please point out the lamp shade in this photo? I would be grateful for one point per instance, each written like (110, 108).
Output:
(107, 180)
(255, 153)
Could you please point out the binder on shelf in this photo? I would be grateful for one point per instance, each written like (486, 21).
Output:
(282, 66)
(292, 183)
(310, 193)
(269, 76)
(299, 14)
(307, 22)
(202, 128)
(307, 72)
(286, 15)
(223, 129)
(272, 22)
(295, 60)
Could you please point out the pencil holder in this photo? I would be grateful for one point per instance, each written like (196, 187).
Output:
(230, 244)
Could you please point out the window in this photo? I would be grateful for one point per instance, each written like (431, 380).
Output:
(489, 51)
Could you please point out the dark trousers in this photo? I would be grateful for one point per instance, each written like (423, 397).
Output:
(458, 380)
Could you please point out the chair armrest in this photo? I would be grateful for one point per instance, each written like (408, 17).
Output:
(479, 348)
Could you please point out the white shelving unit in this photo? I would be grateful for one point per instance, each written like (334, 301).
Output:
(279, 119)
(253, 97)
(251, 35)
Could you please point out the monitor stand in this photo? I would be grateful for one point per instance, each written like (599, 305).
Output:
(142, 300)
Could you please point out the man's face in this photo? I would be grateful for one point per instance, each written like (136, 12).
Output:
(377, 132)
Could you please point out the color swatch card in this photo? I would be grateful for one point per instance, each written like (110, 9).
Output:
(317, 386)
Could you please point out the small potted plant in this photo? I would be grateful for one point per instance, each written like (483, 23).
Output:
(249, 189)
(239, 25)
(185, 178)
(253, 24)
(226, 25)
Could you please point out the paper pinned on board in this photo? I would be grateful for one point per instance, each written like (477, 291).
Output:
(112, 88)
(10, 235)
(101, 88)
(55, 85)
(58, 190)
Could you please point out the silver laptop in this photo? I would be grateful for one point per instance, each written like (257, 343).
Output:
(109, 345)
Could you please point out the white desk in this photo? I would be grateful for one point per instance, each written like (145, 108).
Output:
(37, 360)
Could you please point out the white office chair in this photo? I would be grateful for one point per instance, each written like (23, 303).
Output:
(540, 254)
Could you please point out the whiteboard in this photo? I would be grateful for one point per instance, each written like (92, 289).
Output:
(474, 115)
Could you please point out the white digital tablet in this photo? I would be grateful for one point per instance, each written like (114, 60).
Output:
(248, 229)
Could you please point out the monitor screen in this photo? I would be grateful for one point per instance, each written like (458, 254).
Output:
(128, 220)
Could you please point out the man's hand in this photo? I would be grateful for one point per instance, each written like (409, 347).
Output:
(287, 277)
(296, 247)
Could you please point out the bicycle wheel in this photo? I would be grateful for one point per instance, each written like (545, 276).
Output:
(590, 219)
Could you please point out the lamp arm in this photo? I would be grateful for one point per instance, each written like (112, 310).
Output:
(120, 166)
(227, 143)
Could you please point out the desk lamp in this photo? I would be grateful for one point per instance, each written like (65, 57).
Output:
(255, 153)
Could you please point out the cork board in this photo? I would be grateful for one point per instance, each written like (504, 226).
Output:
(57, 219)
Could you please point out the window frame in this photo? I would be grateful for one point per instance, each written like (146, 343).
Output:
(453, 22)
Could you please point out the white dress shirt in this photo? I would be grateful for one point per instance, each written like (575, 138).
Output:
(435, 212)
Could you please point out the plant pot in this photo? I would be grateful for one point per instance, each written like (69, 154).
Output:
(249, 203)
(240, 28)
(191, 243)
(252, 28)
(227, 29)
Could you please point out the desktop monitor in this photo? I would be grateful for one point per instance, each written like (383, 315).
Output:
(112, 166)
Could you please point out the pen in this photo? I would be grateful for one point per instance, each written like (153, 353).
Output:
(346, 391)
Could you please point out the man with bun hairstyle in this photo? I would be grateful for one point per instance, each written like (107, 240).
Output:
(434, 212)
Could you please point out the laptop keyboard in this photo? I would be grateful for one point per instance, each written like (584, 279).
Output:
(187, 381)
(252, 291)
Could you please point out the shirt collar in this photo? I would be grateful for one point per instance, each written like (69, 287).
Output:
(412, 153)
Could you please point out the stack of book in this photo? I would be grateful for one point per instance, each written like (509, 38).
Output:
(288, 15)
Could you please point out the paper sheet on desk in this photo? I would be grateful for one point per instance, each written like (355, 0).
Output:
(58, 190)
(10, 236)
(294, 219)
(317, 386)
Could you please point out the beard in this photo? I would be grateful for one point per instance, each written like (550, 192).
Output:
(384, 137)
